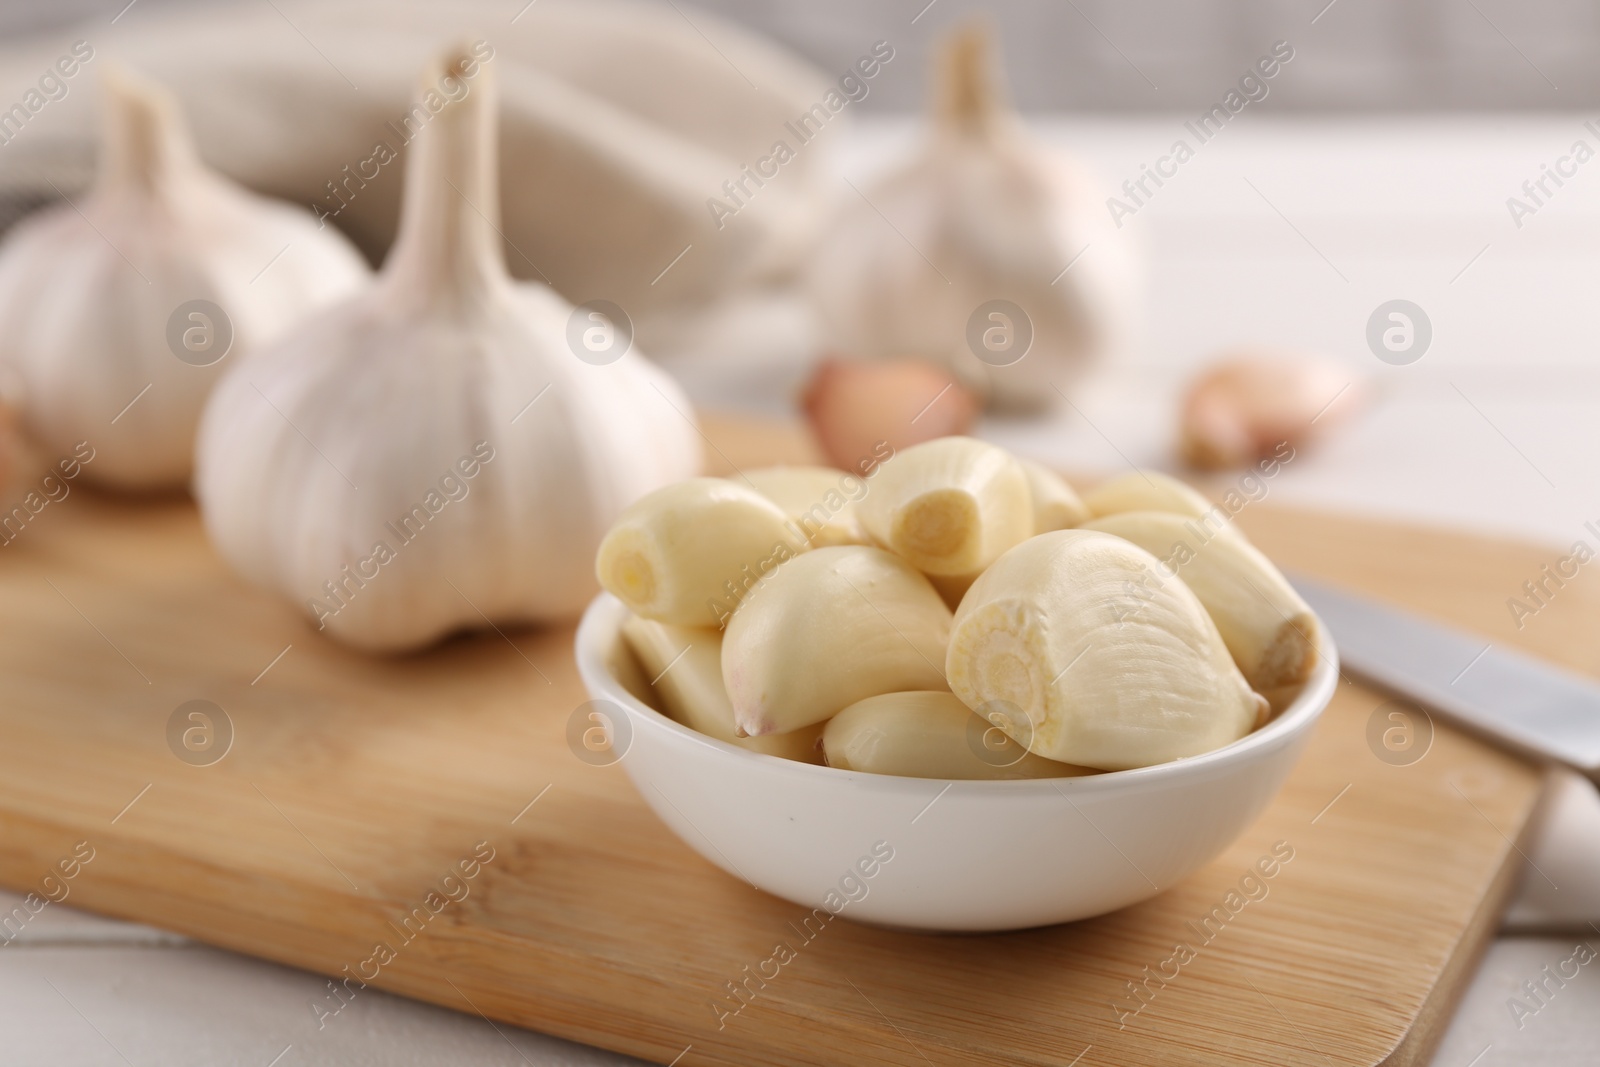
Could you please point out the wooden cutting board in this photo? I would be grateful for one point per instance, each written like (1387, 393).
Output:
(354, 786)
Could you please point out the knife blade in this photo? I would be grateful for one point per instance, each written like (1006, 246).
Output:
(1531, 705)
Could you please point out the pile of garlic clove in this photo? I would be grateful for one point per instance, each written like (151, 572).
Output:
(119, 312)
(433, 454)
(952, 611)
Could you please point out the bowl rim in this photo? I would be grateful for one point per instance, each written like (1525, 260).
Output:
(602, 623)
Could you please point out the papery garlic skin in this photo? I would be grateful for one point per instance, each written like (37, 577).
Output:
(88, 290)
(982, 214)
(309, 455)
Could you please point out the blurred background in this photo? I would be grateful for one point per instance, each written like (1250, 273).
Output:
(1113, 55)
(1380, 165)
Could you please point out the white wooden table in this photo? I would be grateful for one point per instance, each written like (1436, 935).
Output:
(1285, 234)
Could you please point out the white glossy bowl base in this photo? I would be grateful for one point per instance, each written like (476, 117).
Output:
(967, 856)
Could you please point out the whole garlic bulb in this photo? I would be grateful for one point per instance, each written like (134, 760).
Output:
(431, 455)
(986, 253)
(99, 298)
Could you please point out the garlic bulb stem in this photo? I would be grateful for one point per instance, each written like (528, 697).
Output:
(449, 248)
(143, 139)
(969, 96)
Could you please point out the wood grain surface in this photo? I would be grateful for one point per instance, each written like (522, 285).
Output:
(354, 786)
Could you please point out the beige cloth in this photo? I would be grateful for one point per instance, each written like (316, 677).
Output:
(619, 120)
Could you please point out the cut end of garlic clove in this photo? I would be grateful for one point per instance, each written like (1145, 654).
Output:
(145, 137)
(942, 526)
(688, 554)
(950, 506)
(1290, 654)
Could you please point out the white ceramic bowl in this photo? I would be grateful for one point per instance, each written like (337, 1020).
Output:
(962, 856)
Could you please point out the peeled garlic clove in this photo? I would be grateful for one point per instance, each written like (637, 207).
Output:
(929, 734)
(1265, 624)
(118, 313)
(689, 552)
(1251, 407)
(1078, 646)
(431, 455)
(985, 253)
(829, 628)
(863, 413)
(1055, 505)
(950, 506)
(686, 665)
(1146, 490)
(819, 501)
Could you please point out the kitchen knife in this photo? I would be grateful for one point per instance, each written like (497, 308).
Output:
(1526, 703)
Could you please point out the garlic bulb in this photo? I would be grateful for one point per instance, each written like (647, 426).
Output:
(116, 312)
(985, 253)
(431, 454)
